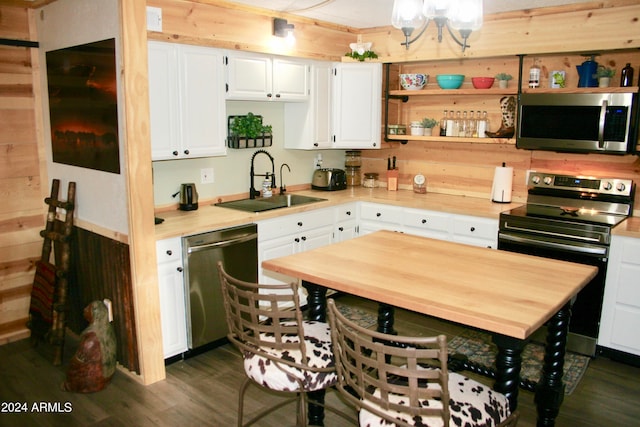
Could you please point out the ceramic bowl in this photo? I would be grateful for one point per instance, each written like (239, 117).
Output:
(413, 81)
(482, 82)
(450, 81)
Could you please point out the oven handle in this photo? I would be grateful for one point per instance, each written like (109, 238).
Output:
(591, 250)
(552, 234)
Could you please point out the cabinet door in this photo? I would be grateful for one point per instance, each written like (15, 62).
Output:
(345, 230)
(172, 309)
(620, 318)
(308, 124)
(203, 109)
(375, 217)
(173, 317)
(290, 80)
(316, 238)
(357, 92)
(249, 77)
(164, 106)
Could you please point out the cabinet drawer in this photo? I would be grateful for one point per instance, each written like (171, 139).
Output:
(295, 223)
(483, 228)
(168, 250)
(380, 213)
(346, 212)
(426, 220)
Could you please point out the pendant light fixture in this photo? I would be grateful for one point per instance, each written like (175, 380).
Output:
(462, 15)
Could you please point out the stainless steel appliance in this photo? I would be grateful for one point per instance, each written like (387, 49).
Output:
(599, 122)
(570, 218)
(329, 179)
(188, 197)
(237, 248)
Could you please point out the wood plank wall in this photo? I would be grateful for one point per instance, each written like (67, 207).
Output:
(100, 268)
(22, 186)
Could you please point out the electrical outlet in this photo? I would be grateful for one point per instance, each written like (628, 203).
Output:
(206, 176)
(154, 19)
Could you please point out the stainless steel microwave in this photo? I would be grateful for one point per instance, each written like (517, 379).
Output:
(582, 123)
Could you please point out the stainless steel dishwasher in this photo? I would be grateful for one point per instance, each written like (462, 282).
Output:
(237, 248)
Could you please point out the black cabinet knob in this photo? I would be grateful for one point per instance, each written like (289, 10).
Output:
(424, 221)
(278, 95)
(296, 240)
(186, 152)
(169, 252)
(472, 229)
(175, 153)
(304, 238)
(349, 213)
(340, 228)
(269, 95)
(179, 269)
(378, 214)
(300, 224)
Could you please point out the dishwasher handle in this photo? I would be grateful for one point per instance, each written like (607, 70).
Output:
(223, 243)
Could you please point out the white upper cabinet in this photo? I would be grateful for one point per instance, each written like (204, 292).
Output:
(186, 97)
(343, 111)
(254, 77)
(357, 97)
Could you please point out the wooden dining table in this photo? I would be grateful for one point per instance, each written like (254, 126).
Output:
(507, 294)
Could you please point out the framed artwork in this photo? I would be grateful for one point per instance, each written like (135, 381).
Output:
(83, 106)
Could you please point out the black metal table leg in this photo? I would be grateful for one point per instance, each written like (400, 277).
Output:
(550, 389)
(508, 364)
(385, 319)
(317, 304)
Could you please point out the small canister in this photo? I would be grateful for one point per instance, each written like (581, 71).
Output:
(370, 180)
(353, 175)
(352, 158)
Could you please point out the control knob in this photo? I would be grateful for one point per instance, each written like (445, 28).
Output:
(535, 179)
(607, 185)
(621, 187)
(548, 180)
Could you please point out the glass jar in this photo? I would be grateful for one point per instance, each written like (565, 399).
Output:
(352, 158)
(353, 175)
(370, 180)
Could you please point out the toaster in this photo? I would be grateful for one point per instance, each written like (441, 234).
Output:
(329, 179)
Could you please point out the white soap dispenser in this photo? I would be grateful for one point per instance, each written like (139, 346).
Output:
(266, 186)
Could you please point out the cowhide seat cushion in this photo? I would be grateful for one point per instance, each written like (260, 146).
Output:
(471, 404)
(282, 377)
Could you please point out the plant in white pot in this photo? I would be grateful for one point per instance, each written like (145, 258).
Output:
(604, 75)
(503, 79)
(428, 124)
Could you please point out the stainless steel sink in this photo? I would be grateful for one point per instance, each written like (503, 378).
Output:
(268, 203)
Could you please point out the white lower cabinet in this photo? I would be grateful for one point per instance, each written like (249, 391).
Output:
(346, 222)
(426, 223)
(475, 231)
(172, 302)
(291, 234)
(620, 319)
(374, 217)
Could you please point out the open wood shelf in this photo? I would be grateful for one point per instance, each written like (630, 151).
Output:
(449, 92)
(435, 138)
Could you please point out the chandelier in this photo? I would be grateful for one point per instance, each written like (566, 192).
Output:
(462, 15)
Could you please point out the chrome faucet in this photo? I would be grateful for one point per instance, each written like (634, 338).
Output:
(252, 191)
(283, 187)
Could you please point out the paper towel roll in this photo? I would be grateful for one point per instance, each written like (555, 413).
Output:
(502, 184)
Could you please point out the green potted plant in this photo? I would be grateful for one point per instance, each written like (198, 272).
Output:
(249, 126)
(248, 132)
(428, 123)
(503, 79)
(604, 75)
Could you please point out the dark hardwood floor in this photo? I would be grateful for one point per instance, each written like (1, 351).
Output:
(202, 391)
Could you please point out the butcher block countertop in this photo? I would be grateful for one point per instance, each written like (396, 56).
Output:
(498, 291)
(208, 217)
(630, 227)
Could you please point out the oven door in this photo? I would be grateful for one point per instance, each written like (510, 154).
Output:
(585, 312)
